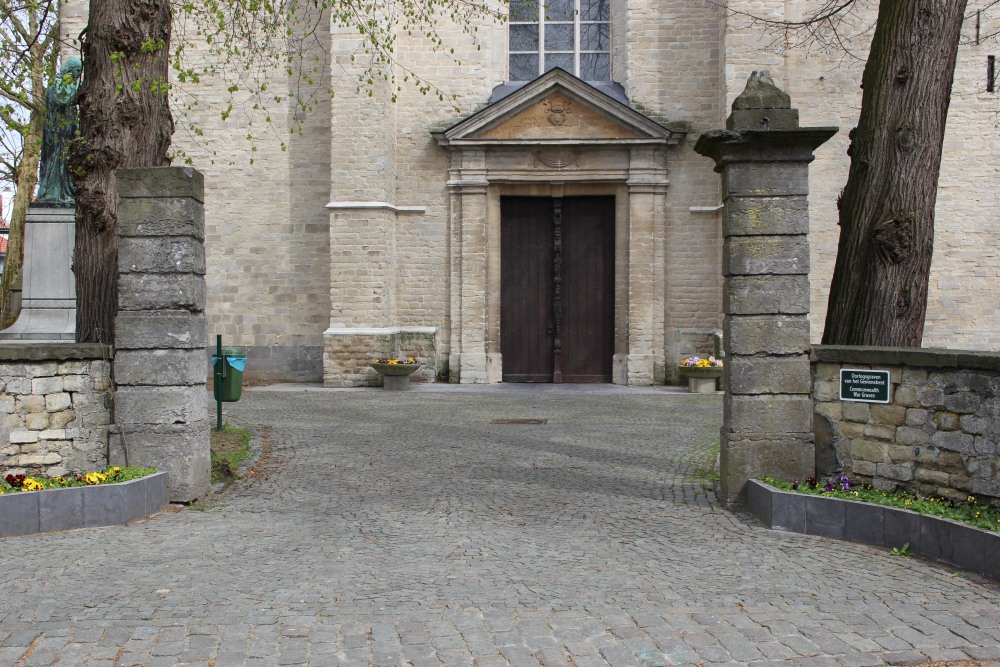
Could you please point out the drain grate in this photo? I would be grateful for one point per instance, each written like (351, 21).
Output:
(519, 421)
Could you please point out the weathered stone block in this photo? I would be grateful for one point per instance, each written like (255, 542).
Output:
(931, 397)
(914, 437)
(53, 434)
(976, 425)
(76, 382)
(776, 414)
(965, 402)
(899, 472)
(946, 421)
(866, 468)
(160, 405)
(870, 450)
(755, 179)
(763, 216)
(6, 404)
(771, 255)
(851, 429)
(936, 477)
(772, 334)
(825, 390)
(900, 454)
(161, 182)
(905, 396)
(856, 412)
(173, 254)
(880, 432)
(744, 458)
(37, 421)
(768, 375)
(179, 329)
(47, 385)
(160, 367)
(757, 295)
(914, 377)
(57, 402)
(181, 451)
(953, 441)
(833, 410)
(916, 417)
(894, 415)
(161, 292)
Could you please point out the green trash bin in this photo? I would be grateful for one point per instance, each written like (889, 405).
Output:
(231, 386)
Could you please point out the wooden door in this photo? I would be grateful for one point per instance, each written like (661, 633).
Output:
(526, 325)
(557, 289)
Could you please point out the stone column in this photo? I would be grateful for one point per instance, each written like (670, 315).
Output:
(764, 158)
(161, 404)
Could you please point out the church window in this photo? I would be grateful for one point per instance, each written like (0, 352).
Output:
(572, 34)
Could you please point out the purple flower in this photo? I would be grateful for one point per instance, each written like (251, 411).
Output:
(828, 487)
(845, 483)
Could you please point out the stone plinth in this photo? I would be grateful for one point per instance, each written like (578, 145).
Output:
(764, 157)
(48, 298)
(161, 406)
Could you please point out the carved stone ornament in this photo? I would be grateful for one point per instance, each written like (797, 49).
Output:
(557, 109)
(556, 159)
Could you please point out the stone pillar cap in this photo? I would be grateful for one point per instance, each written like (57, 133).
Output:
(762, 106)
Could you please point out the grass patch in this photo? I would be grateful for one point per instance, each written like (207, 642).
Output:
(230, 447)
(971, 512)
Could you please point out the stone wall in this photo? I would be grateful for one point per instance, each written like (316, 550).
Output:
(55, 408)
(936, 436)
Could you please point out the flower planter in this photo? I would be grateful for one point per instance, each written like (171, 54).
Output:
(701, 379)
(396, 377)
(29, 512)
(944, 540)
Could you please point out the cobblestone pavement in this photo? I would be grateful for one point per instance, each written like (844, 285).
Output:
(407, 529)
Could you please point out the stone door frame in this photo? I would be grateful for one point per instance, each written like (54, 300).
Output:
(556, 136)
(635, 175)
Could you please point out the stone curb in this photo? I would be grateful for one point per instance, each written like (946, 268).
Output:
(933, 537)
(30, 512)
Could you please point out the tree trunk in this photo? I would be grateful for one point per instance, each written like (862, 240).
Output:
(879, 291)
(41, 58)
(124, 122)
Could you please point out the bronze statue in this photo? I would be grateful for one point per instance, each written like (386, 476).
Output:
(55, 187)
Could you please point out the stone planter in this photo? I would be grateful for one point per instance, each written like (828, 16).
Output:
(934, 537)
(30, 512)
(702, 380)
(396, 377)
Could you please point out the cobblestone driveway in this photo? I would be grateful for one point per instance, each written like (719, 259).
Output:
(405, 528)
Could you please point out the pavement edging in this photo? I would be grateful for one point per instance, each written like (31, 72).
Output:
(30, 512)
(937, 538)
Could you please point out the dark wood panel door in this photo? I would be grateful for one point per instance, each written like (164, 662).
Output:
(588, 281)
(526, 326)
(557, 289)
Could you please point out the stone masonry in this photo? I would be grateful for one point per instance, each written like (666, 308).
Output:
(937, 435)
(54, 407)
(161, 406)
(763, 156)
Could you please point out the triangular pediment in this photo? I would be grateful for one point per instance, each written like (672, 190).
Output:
(558, 107)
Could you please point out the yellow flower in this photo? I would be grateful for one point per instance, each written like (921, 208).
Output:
(32, 484)
(972, 500)
(94, 478)
(115, 470)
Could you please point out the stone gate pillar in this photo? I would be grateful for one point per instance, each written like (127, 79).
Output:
(764, 157)
(161, 404)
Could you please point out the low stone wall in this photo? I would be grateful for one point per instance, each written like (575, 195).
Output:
(55, 408)
(936, 436)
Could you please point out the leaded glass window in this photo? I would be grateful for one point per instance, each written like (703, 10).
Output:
(572, 34)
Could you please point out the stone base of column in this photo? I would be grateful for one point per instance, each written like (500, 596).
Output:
(48, 301)
(745, 456)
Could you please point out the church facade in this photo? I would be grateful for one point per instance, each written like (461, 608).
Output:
(548, 220)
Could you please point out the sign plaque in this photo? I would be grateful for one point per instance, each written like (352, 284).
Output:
(863, 385)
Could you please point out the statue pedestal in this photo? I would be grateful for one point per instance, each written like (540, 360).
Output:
(48, 298)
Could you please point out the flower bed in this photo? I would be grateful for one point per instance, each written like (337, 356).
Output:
(938, 538)
(90, 500)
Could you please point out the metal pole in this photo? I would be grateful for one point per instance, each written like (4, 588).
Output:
(220, 369)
